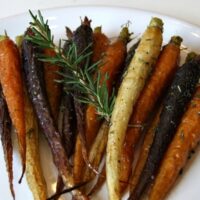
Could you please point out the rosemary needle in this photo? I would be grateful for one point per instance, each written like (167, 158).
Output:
(79, 79)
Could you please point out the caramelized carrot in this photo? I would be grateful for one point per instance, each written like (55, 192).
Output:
(100, 45)
(132, 84)
(11, 81)
(78, 161)
(164, 70)
(112, 62)
(53, 89)
(185, 140)
(175, 103)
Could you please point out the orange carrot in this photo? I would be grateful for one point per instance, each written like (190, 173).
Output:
(159, 80)
(53, 89)
(185, 140)
(78, 161)
(112, 63)
(11, 81)
(101, 43)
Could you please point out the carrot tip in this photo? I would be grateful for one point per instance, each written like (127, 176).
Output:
(69, 32)
(23, 172)
(98, 29)
(176, 40)
(157, 22)
(125, 34)
(86, 21)
(3, 37)
(191, 56)
(19, 39)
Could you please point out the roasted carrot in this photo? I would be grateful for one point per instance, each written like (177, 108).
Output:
(6, 140)
(144, 151)
(11, 81)
(52, 87)
(33, 78)
(160, 78)
(112, 62)
(67, 117)
(185, 140)
(174, 105)
(97, 150)
(130, 88)
(35, 86)
(78, 161)
(83, 39)
(92, 122)
(34, 174)
(100, 44)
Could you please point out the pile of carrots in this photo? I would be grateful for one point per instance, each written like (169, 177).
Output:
(156, 113)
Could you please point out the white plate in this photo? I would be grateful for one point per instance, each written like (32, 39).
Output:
(111, 18)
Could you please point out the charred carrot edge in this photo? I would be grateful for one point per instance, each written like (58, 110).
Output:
(53, 88)
(11, 81)
(6, 140)
(130, 88)
(185, 140)
(144, 151)
(174, 105)
(161, 76)
(34, 174)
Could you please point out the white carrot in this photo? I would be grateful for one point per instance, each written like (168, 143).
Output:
(131, 86)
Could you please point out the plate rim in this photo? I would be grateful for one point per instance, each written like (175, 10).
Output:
(90, 6)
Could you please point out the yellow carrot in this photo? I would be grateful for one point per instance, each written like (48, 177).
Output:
(34, 174)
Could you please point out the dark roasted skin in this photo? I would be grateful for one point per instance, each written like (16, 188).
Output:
(83, 35)
(6, 139)
(175, 103)
(68, 128)
(35, 85)
(83, 38)
(68, 124)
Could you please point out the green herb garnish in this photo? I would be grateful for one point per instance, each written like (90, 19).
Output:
(94, 90)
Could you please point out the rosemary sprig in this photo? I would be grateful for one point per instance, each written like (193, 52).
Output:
(94, 91)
